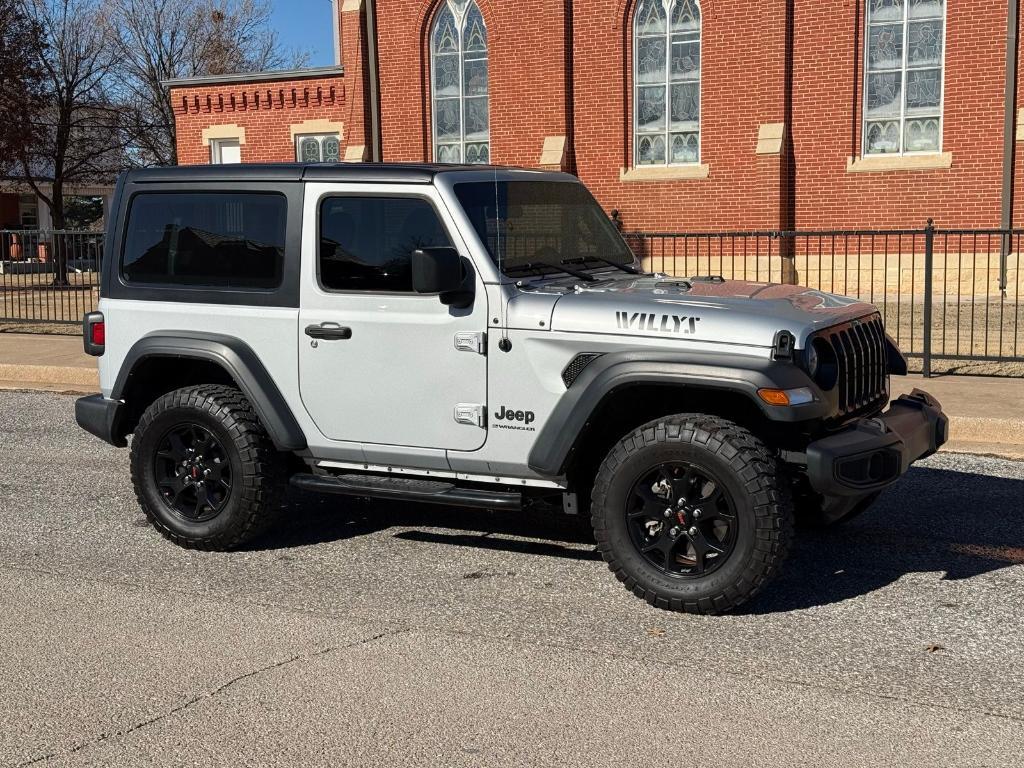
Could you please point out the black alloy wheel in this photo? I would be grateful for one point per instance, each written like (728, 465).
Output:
(692, 513)
(193, 472)
(681, 519)
(205, 471)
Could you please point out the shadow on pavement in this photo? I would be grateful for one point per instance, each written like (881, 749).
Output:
(935, 520)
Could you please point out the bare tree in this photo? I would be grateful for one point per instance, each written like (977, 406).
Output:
(158, 40)
(75, 135)
(21, 78)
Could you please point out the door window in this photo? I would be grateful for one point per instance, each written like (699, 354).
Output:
(366, 243)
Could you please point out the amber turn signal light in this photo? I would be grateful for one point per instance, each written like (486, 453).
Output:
(774, 396)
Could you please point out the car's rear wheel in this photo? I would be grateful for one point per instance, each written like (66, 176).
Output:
(690, 513)
(204, 469)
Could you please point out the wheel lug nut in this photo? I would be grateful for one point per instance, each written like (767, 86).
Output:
(693, 531)
(674, 532)
(668, 513)
(696, 513)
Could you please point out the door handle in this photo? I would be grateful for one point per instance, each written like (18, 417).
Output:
(328, 332)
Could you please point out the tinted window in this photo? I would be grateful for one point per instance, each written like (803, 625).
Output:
(366, 243)
(206, 239)
(541, 223)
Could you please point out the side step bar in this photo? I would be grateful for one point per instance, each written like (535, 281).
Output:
(407, 489)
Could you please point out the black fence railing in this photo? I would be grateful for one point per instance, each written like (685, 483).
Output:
(48, 276)
(946, 296)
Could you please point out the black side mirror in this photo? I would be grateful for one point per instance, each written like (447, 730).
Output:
(441, 271)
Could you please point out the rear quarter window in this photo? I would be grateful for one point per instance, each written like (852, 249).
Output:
(231, 240)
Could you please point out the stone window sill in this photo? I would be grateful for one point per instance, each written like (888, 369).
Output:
(882, 164)
(665, 173)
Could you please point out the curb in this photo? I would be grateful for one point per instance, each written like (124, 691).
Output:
(49, 377)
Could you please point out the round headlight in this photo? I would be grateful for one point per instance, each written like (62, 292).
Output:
(813, 360)
(826, 367)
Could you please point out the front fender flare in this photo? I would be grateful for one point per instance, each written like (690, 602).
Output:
(236, 358)
(743, 374)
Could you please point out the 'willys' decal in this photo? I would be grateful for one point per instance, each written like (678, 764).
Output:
(642, 321)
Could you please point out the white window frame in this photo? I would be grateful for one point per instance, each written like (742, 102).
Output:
(666, 132)
(904, 69)
(459, 10)
(217, 148)
(320, 139)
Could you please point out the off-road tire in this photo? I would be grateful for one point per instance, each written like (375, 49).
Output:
(750, 474)
(258, 478)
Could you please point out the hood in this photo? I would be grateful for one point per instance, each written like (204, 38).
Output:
(697, 309)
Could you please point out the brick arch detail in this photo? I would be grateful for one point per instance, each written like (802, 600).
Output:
(624, 9)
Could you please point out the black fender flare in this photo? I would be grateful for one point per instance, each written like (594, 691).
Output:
(238, 360)
(742, 374)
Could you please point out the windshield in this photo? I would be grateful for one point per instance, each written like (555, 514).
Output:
(540, 226)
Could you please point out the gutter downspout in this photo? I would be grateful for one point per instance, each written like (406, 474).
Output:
(371, 63)
(1009, 137)
(336, 21)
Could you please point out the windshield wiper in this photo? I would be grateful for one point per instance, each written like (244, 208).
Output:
(627, 268)
(538, 265)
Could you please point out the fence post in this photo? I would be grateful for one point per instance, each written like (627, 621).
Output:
(929, 257)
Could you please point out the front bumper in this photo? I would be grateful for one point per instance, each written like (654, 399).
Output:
(875, 452)
(101, 416)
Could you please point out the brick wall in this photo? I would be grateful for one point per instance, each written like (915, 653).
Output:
(265, 110)
(827, 99)
(763, 62)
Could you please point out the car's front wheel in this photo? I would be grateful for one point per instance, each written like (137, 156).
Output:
(204, 469)
(691, 513)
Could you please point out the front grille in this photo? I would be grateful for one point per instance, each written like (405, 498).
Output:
(862, 363)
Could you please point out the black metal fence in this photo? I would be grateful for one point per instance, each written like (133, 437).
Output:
(48, 276)
(948, 297)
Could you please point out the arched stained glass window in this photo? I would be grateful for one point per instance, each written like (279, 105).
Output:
(903, 81)
(459, 91)
(666, 82)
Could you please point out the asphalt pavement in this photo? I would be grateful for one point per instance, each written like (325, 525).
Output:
(361, 633)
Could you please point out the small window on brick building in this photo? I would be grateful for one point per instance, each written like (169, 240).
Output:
(904, 72)
(666, 82)
(459, 86)
(224, 151)
(318, 148)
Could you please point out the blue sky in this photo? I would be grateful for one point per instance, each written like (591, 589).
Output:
(306, 24)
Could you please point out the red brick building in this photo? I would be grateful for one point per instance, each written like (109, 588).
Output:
(683, 115)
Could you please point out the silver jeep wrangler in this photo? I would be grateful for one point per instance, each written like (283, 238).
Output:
(480, 337)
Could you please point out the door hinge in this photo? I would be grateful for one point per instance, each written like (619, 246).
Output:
(471, 341)
(470, 413)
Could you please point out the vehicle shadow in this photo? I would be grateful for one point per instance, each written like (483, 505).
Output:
(935, 520)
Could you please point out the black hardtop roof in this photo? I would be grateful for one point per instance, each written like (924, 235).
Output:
(403, 173)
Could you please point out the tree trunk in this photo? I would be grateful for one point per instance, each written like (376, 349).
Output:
(59, 244)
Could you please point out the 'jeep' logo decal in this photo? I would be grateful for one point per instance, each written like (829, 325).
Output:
(520, 419)
(642, 321)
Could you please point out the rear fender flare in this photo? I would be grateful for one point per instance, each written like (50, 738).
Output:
(238, 360)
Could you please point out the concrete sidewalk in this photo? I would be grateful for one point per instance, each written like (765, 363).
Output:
(987, 414)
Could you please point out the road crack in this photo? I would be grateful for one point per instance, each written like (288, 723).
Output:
(104, 738)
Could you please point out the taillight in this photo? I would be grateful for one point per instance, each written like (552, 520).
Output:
(94, 334)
